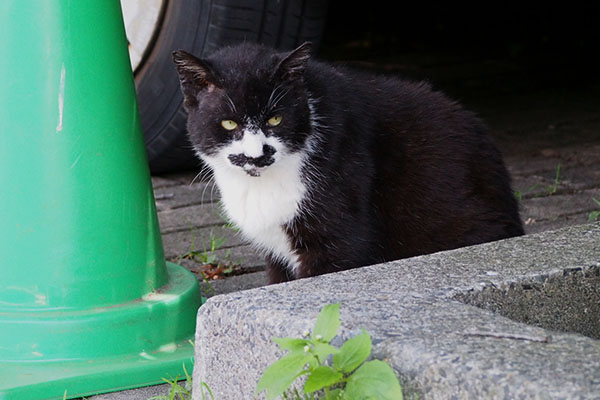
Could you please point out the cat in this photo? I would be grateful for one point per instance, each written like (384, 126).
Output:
(325, 168)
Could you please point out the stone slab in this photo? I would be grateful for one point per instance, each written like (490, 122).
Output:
(439, 346)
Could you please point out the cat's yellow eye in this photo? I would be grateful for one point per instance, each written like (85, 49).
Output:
(229, 124)
(274, 121)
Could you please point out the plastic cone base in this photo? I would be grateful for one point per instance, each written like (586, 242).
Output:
(132, 324)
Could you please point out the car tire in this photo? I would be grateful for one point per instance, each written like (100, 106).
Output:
(200, 27)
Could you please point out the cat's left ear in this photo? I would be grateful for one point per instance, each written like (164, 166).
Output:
(294, 64)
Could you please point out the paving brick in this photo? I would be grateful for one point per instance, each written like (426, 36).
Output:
(177, 244)
(160, 182)
(185, 195)
(243, 255)
(534, 226)
(186, 218)
(552, 207)
(546, 159)
(239, 283)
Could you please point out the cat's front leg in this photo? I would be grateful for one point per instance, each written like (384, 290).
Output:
(277, 271)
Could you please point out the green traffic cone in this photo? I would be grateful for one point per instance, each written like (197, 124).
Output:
(87, 302)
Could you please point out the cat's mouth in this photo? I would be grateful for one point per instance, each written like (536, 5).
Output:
(253, 171)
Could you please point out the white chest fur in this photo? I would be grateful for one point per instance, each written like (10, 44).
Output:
(261, 206)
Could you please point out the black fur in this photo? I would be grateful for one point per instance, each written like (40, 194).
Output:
(399, 170)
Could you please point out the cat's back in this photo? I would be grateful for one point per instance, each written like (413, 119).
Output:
(431, 172)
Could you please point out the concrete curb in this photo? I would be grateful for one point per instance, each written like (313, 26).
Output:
(439, 347)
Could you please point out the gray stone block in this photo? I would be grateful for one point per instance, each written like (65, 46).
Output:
(416, 312)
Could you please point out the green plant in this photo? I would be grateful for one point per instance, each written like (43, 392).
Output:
(548, 190)
(65, 396)
(178, 392)
(207, 255)
(594, 215)
(345, 376)
(551, 189)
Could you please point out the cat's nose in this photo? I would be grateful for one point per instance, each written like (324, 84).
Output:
(253, 144)
(265, 159)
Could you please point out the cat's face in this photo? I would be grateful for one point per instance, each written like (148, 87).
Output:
(247, 106)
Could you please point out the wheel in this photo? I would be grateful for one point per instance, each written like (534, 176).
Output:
(200, 27)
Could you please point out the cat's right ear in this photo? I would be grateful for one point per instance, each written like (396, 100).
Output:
(195, 75)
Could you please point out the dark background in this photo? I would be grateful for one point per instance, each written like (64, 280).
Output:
(491, 28)
(498, 60)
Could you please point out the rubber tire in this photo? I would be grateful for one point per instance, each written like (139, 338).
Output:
(200, 27)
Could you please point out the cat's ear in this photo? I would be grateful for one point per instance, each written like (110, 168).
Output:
(294, 64)
(195, 75)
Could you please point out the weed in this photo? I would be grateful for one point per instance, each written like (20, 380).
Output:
(594, 215)
(78, 398)
(207, 255)
(548, 190)
(347, 377)
(519, 194)
(551, 189)
(212, 265)
(178, 392)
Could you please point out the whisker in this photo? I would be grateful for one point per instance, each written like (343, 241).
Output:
(230, 103)
(276, 96)
(204, 191)
(270, 101)
(281, 96)
(213, 187)
(207, 176)
(196, 177)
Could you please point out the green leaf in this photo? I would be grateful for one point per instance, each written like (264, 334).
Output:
(353, 352)
(328, 322)
(518, 195)
(280, 375)
(323, 350)
(321, 377)
(334, 394)
(291, 344)
(594, 215)
(374, 379)
(210, 258)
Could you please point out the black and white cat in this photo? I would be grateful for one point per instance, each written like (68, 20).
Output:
(325, 169)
